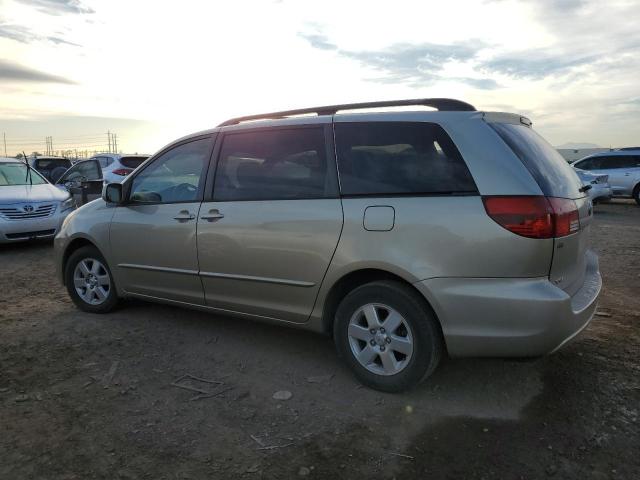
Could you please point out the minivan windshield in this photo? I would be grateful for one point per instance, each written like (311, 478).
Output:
(553, 174)
(18, 174)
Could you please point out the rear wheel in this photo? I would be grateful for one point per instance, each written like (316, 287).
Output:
(636, 194)
(388, 336)
(89, 281)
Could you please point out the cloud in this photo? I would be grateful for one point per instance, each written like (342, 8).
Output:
(480, 83)
(555, 6)
(24, 35)
(412, 64)
(12, 72)
(58, 7)
(318, 41)
(412, 61)
(535, 64)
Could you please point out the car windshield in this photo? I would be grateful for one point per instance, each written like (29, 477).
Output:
(17, 174)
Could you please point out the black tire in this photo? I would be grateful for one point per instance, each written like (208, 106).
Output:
(428, 345)
(636, 194)
(111, 299)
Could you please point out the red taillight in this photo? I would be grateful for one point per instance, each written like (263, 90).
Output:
(534, 217)
(567, 218)
(122, 171)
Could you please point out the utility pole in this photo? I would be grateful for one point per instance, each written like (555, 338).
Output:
(109, 139)
(4, 138)
(115, 143)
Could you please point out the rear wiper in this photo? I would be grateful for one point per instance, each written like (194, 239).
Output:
(585, 188)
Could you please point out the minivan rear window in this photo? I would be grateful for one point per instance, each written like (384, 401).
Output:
(396, 158)
(553, 174)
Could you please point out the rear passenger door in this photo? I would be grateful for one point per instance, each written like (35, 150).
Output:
(268, 231)
(620, 169)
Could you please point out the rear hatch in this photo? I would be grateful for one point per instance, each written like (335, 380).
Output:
(557, 179)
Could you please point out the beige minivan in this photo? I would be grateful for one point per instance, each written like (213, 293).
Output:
(404, 234)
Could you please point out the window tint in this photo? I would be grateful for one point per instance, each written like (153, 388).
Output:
(132, 162)
(588, 164)
(399, 158)
(553, 174)
(175, 176)
(104, 161)
(88, 170)
(273, 164)
(620, 161)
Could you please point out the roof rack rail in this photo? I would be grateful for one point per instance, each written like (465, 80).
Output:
(442, 104)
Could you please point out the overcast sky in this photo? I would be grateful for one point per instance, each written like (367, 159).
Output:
(153, 71)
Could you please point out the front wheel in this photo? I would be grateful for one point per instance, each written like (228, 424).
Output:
(89, 281)
(636, 194)
(388, 336)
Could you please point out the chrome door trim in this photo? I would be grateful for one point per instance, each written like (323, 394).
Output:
(158, 269)
(280, 281)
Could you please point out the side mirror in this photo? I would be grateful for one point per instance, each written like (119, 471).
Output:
(112, 193)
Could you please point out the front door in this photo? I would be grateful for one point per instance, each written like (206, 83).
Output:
(266, 238)
(153, 236)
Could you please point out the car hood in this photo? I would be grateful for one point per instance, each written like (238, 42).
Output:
(31, 193)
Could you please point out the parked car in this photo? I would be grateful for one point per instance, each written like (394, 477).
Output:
(599, 189)
(30, 207)
(115, 167)
(84, 180)
(405, 235)
(622, 167)
(50, 167)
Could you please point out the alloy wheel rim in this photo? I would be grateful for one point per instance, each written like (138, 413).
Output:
(380, 339)
(91, 281)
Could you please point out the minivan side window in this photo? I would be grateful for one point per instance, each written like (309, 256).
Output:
(273, 164)
(399, 158)
(175, 176)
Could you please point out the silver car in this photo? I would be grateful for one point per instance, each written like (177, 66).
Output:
(404, 235)
(599, 189)
(622, 167)
(30, 207)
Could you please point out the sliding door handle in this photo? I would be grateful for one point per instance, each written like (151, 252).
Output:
(184, 216)
(212, 216)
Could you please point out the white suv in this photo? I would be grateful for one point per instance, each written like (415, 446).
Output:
(115, 166)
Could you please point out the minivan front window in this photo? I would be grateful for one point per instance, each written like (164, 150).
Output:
(175, 176)
(18, 174)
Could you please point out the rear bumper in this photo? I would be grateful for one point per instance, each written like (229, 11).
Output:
(511, 317)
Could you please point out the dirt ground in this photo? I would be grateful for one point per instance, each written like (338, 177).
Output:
(85, 396)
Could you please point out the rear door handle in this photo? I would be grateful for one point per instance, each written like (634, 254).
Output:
(184, 216)
(212, 216)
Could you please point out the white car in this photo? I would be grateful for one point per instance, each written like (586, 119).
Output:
(30, 207)
(115, 167)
